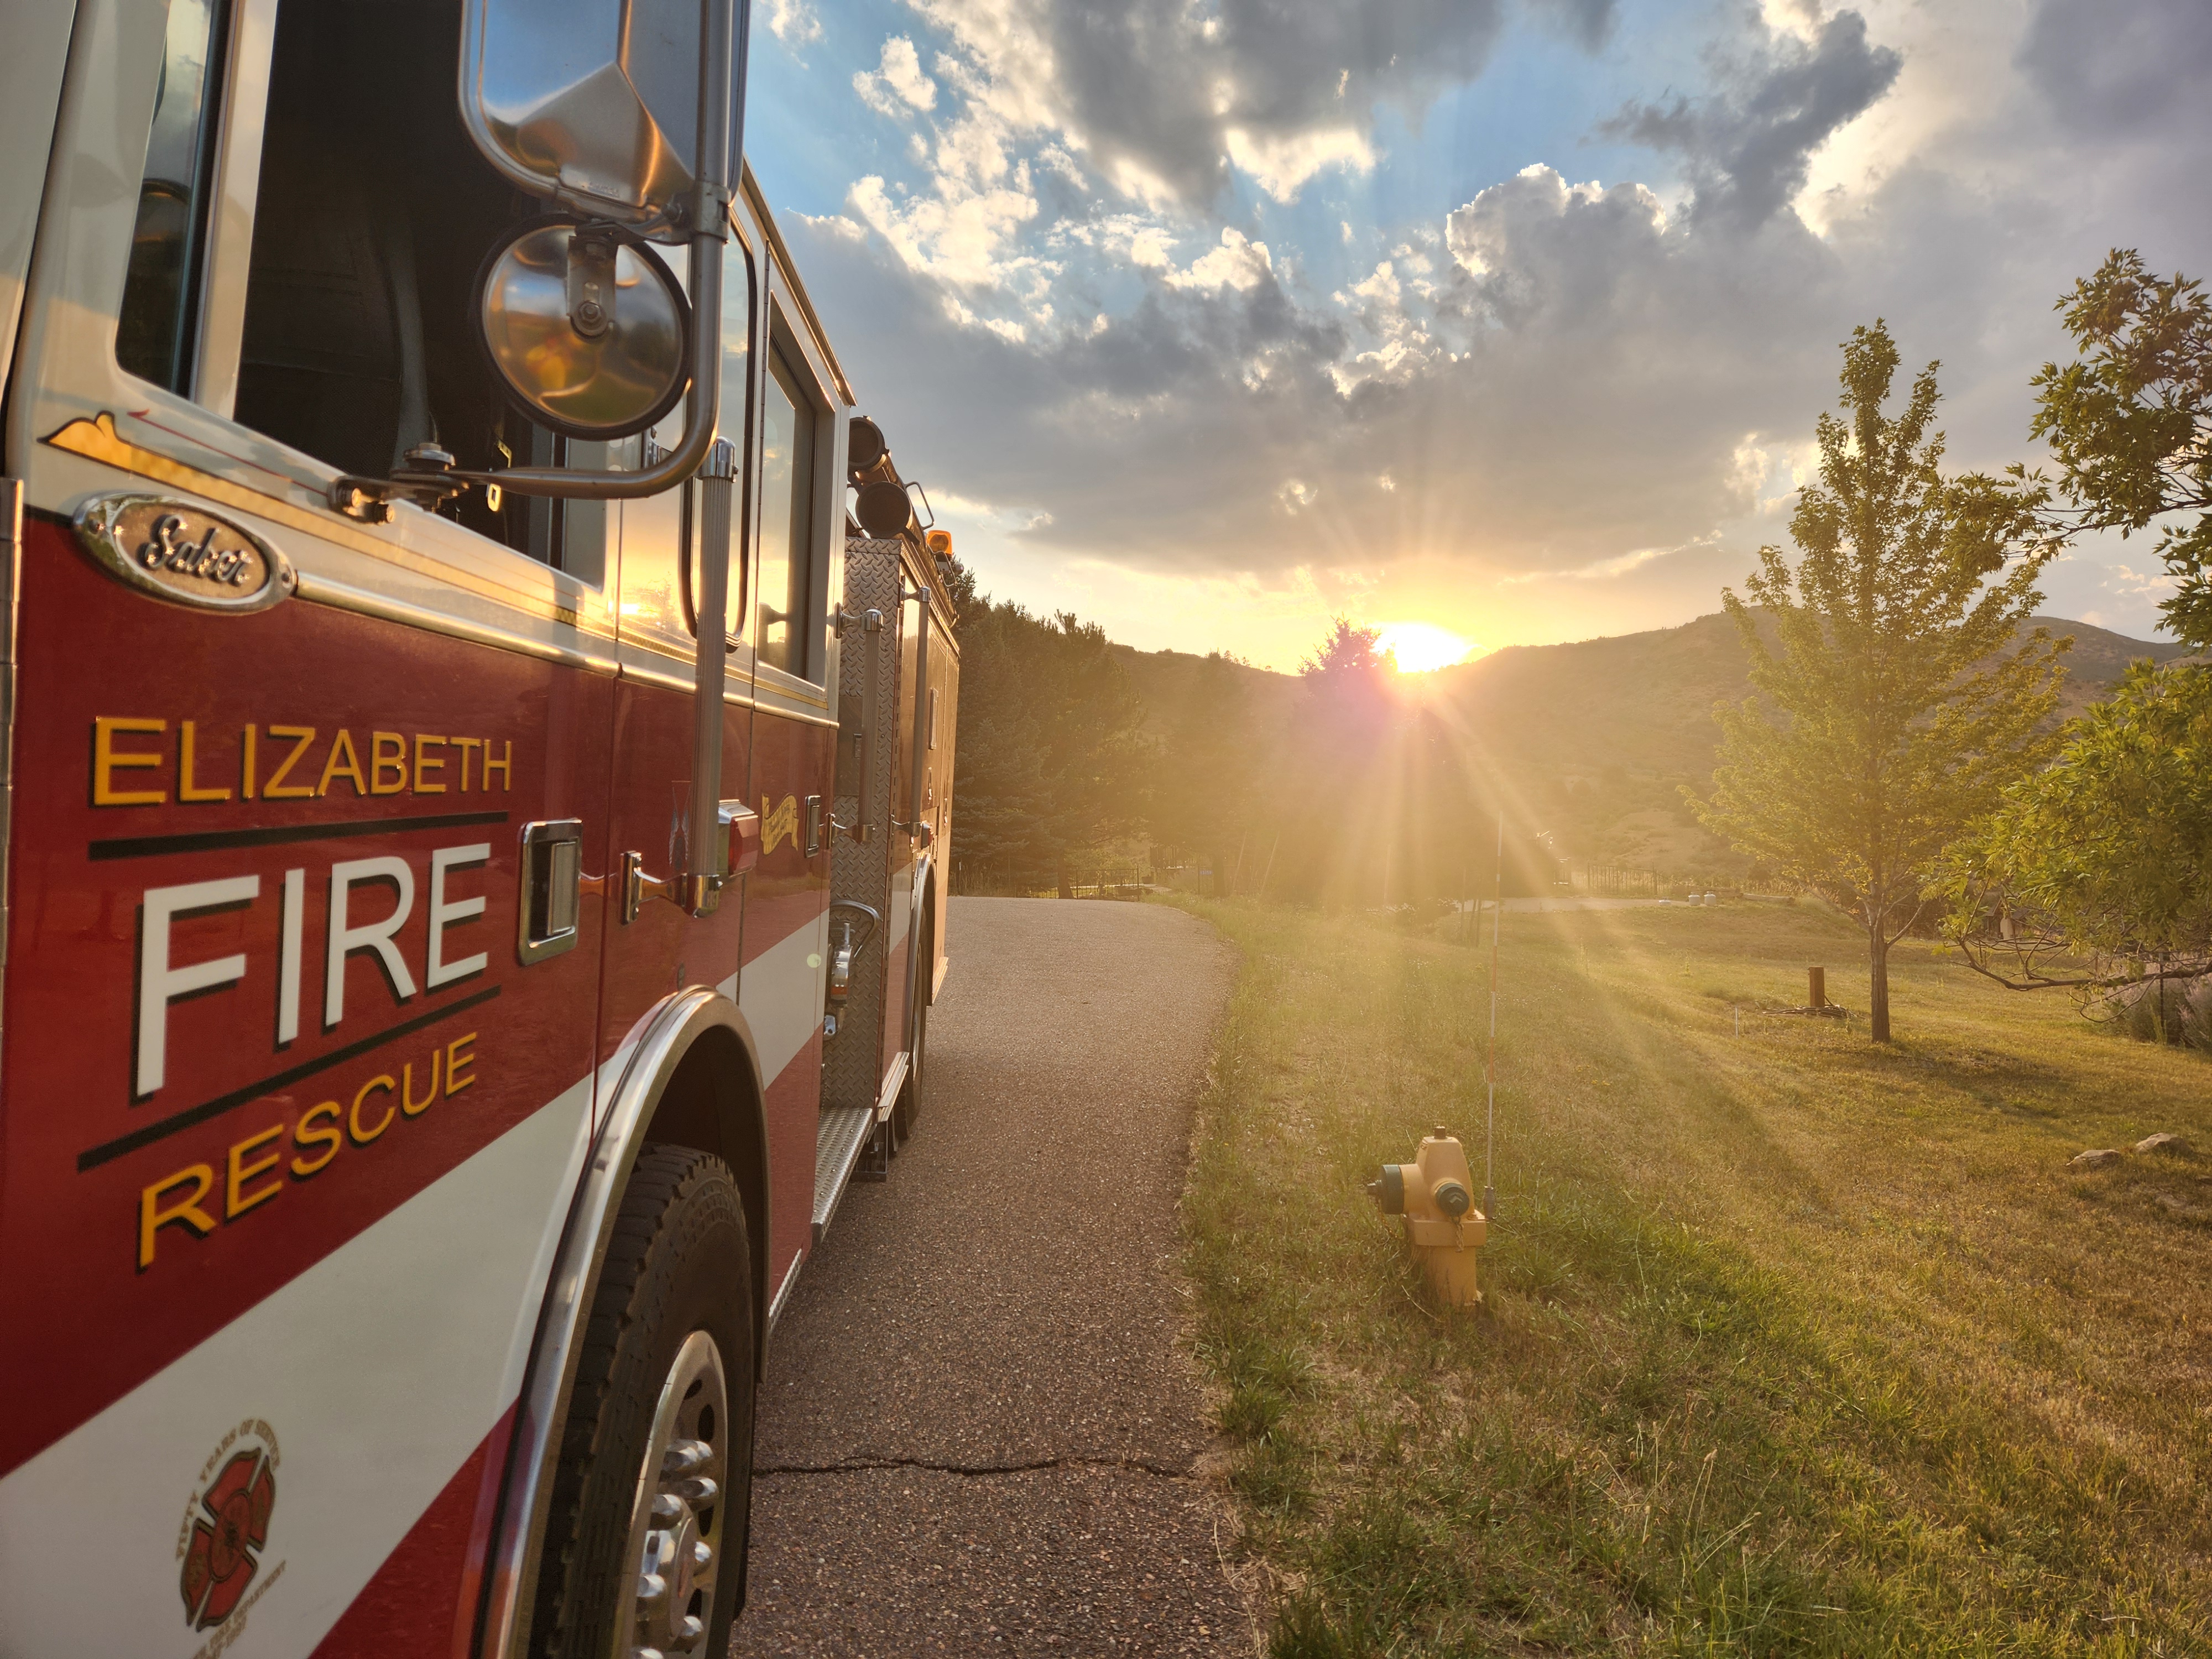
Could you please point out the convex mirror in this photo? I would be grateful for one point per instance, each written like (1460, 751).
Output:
(585, 327)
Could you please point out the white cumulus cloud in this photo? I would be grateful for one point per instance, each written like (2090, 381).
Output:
(897, 81)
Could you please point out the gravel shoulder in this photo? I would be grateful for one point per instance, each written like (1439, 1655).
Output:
(978, 1435)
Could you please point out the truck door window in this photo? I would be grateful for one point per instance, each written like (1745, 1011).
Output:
(786, 537)
(372, 214)
(154, 334)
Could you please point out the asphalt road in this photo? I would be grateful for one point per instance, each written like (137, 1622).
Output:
(978, 1435)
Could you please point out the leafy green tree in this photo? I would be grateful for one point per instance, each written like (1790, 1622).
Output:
(2130, 423)
(2106, 856)
(1904, 690)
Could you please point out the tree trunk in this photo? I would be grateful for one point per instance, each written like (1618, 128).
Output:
(1878, 979)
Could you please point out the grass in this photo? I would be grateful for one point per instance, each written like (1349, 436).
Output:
(1793, 1344)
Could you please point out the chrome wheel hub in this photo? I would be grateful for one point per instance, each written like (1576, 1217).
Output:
(678, 1524)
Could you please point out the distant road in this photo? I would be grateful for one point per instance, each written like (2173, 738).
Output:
(977, 1436)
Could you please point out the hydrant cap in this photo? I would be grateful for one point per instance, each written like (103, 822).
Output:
(1452, 1200)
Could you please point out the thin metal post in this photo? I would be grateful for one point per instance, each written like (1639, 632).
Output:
(1489, 1117)
(704, 857)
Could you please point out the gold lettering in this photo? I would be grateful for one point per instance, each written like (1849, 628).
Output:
(779, 826)
(465, 745)
(324, 1135)
(341, 744)
(276, 788)
(408, 1103)
(455, 1059)
(188, 765)
(506, 767)
(105, 760)
(236, 1201)
(424, 763)
(245, 761)
(154, 1214)
(379, 762)
(361, 1137)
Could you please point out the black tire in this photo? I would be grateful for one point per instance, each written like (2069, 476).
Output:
(908, 1107)
(677, 1262)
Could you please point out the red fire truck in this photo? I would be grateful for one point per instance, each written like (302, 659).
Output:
(479, 714)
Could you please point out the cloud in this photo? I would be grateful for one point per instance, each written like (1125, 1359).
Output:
(957, 236)
(1579, 381)
(1282, 165)
(2120, 66)
(1164, 98)
(1601, 389)
(1238, 264)
(793, 23)
(897, 81)
(1749, 144)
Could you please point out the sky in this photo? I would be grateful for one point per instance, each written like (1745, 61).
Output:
(1212, 319)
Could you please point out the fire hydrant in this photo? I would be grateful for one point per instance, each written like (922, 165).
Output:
(1436, 1195)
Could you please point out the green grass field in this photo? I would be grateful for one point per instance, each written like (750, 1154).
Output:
(1793, 1344)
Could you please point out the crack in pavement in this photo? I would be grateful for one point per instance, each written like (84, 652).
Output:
(861, 1465)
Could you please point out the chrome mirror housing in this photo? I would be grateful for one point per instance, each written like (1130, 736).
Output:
(593, 104)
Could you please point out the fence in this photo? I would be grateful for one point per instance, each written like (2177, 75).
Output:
(974, 878)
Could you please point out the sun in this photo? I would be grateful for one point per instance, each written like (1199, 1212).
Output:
(1423, 647)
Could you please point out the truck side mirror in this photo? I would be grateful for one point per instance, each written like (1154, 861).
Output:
(626, 115)
(591, 104)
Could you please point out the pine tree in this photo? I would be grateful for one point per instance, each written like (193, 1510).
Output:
(1906, 689)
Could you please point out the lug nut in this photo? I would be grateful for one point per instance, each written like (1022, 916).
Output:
(684, 1456)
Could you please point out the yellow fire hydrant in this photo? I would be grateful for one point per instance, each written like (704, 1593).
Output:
(1434, 1194)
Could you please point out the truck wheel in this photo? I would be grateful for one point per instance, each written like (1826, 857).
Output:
(908, 1107)
(645, 1543)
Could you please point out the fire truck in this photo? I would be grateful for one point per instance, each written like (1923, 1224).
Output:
(477, 763)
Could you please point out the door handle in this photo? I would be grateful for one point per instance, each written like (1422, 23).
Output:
(698, 895)
(553, 883)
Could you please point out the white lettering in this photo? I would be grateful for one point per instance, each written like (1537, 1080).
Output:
(160, 983)
(444, 914)
(288, 957)
(345, 938)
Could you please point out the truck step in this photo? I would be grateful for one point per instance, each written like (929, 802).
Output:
(838, 1142)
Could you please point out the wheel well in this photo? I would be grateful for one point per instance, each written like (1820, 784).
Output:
(713, 1104)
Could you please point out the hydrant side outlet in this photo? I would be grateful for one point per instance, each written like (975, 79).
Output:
(1390, 1192)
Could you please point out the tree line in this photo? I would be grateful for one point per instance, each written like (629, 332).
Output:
(1348, 795)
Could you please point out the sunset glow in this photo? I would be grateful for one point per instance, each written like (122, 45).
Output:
(1423, 647)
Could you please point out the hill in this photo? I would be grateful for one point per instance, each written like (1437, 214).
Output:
(1594, 738)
